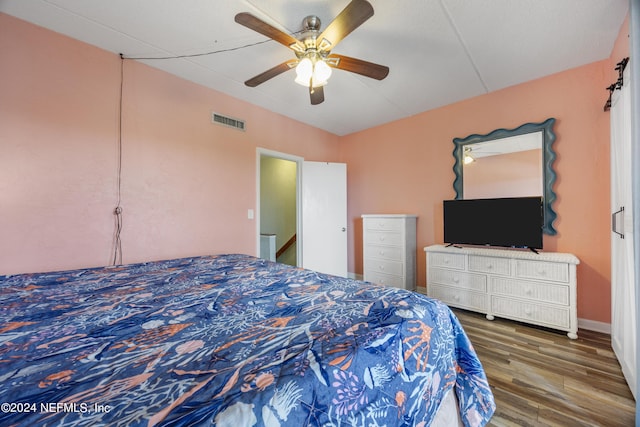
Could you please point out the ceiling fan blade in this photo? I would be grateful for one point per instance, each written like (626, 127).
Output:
(271, 73)
(317, 95)
(367, 69)
(258, 25)
(351, 17)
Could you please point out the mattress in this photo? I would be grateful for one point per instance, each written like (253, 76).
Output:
(229, 340)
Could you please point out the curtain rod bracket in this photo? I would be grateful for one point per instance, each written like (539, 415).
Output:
(620, 66)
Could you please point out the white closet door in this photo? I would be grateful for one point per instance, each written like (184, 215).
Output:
(623, 315)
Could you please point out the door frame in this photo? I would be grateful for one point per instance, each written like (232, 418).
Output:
(260, 152)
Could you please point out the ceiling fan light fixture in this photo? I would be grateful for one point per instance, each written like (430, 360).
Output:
(312, 72)
(467, 156)
(304, 72)
(321, 72)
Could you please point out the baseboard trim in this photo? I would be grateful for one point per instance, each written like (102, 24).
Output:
(593, 325)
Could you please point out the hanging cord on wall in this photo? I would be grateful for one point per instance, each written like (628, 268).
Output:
(117, 242)
(620, 66)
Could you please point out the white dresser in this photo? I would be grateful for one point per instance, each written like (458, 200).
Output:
(514, 284)
(389, 250)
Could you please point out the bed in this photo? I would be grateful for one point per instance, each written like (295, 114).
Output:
(230, 340)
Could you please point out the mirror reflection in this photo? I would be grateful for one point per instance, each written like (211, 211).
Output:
(505, 167)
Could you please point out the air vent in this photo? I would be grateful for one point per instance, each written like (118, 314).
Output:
(227, 121)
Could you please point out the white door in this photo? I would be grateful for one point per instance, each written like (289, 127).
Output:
(623, 314)
(324, 217)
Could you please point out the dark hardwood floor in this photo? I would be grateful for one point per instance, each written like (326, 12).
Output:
(541, 377)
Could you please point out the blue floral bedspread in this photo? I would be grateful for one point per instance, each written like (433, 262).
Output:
(228, 340)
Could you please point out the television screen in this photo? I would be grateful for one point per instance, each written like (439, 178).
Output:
(509, 222)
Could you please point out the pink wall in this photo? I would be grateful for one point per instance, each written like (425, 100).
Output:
(406, 167)
(186, 184)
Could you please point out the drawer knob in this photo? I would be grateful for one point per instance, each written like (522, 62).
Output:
(489, 266)
(456, 297)
(527, 311)
(528, 291)
(456, 279)
(382, 238)
(446, 261)
(381, 267)
(381, 252)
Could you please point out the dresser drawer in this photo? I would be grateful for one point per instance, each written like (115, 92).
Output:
(457, 279)
(446, 260)
(384, 238)
(542, 270)
(394, 253)
(383, 266)
(384, 224)
(544, 292)
(459, 298)
(385, 279)
(485, 264)
(527, 311)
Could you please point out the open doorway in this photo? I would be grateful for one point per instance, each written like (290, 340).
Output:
(278, 219)
(287, 209)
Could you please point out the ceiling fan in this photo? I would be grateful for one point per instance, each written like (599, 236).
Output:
(314, 60)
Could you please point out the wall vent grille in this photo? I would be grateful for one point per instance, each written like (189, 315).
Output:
(227, 121)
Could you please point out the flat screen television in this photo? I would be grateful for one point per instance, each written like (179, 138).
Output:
(514, 222)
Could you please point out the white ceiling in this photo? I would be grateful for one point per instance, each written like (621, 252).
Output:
(438, 51)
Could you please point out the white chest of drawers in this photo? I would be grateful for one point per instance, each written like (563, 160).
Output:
(389, 250)
(519, 285)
